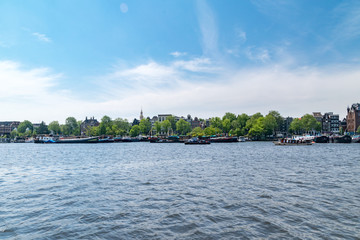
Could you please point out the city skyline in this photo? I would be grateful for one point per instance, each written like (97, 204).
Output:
(204, 58)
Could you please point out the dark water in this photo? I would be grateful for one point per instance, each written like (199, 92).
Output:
(176, 191)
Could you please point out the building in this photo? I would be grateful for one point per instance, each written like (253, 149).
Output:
(353, 118)
(318, 116)
(330, 123)
(284, 127)
(141, 115)
(163, 117)
(7, 127)
(87, 124)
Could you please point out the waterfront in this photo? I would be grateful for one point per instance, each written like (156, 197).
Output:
(167, 191)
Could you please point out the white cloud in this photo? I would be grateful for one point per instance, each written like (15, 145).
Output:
(34, 94)
(292, 91)
(41, 37)
(258, 54)
(208, 27)
(178, 54)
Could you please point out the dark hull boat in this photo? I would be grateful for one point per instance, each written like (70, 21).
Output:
(342, 139)
(223, 139)
(322, 139)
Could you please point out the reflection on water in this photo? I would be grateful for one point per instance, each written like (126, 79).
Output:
(167, 191)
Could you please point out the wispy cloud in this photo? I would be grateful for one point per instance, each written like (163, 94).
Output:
(178, 54)
(208, 27)
(41, 37)
(258, 54)
(348, 27)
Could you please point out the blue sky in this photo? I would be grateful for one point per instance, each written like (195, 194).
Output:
(82, 58)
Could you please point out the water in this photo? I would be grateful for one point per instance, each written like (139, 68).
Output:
(251, 190)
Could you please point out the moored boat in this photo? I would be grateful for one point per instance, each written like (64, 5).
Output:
(50, 139)
(321, 139)
(356, 139)
(342, 139)
(195, 140)
(223, 139)
(293, 142)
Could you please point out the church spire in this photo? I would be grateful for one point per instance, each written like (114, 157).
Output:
(141, 115)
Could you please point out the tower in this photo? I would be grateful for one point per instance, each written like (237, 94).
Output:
(141, 115)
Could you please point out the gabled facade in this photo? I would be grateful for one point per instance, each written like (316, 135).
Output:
(353, 118)
(87, 124)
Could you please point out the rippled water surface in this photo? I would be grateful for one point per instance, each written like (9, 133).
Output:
(176, 191)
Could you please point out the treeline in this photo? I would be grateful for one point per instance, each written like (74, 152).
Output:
(256, 126)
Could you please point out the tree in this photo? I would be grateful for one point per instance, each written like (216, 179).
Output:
(42, 129)
(309, 123)
(106, 121)
(209, 131)
(257, 129)
(24, 126)
(172, 121)
(358, 130)
(216, 122)
(54, 127)
(296, 126)
(145, 126)
(230, 116)
(166, 125)
(279, 119)
(226, 125)
(252, 120)
(135, 131)
(183, 127)
(197, 132)
(158, 127)
(123, 126)
(70, 126)
(270, 124)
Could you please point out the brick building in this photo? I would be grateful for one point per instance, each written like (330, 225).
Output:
(7, 127)
(353, 118)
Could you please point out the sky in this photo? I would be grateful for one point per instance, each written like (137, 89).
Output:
(82, 58)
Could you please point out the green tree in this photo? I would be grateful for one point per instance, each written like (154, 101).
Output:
(14, 133)
(106, 121)
(358, 130)
(123, 126)
(183, 127)
(309, 123)
(158, 127)
(145, 126)
(252, 120)
(166, 125)
(296, 126)
(42, 129)
(197, 132)
(270, 124)
(257, 130)
(209, 131)
(70, 126)
(135, 131)
(279, 119)
(24, 126)
(216, 122)
(172, 121)
(230, 116)
(54, 126)
(226, 125)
